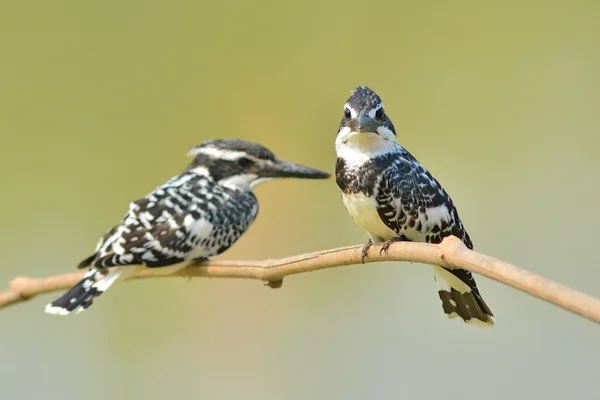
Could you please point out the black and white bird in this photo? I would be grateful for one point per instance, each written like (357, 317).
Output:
(394, 198)
(193, 216)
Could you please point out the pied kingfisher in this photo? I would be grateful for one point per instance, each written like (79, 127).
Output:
(394, 198)
(195, 215)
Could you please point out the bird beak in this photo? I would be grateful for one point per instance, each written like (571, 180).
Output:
(285, 169)
(364, 124)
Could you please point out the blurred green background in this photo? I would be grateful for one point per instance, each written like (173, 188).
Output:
(99, 102)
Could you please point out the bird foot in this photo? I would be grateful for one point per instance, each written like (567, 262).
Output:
(388, 243)
(365, 250)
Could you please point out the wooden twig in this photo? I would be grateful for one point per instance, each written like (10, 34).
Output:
(451, 253)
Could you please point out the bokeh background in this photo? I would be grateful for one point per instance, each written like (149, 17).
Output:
(99, 102)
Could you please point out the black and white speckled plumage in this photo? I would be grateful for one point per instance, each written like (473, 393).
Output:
(195, 215)
(392, 196)
(404, 190)
(189, 217)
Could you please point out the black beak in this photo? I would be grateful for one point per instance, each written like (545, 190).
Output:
(363, 123)
(285, 169)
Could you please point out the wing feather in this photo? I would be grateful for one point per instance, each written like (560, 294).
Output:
(412, 202)
(188, 217)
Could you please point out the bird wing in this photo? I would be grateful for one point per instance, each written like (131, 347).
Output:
(188, 217)
(410, 199)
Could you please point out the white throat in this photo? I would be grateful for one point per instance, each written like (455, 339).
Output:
(243, 181)
(357, 147)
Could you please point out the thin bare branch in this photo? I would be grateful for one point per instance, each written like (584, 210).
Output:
(451, 253)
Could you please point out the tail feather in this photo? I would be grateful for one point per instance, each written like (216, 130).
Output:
(93, 284)
(463, 300)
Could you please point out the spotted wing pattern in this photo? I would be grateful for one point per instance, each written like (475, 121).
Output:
(407, 196)
(188, 217)
(412, 203)
(407, 191)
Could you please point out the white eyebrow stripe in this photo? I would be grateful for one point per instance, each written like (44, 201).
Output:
(353, 113)
(222, 154)
(372, 112)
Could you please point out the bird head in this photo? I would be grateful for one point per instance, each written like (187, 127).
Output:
(243, 164)
(365, 127)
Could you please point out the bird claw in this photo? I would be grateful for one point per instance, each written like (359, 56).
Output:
(388, 243)
(365, 250)
(197, 262)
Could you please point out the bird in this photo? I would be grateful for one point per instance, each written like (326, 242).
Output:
(395, 198)
(195, 215)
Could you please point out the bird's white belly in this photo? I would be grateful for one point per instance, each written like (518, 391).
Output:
(364, 211)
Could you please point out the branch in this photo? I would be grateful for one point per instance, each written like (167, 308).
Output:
(451, 253)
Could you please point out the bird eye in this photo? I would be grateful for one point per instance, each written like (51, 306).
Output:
(379, 113)
(243, 162)
(347, 113)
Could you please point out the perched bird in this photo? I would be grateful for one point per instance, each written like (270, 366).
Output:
(394, 198)
(195, 215)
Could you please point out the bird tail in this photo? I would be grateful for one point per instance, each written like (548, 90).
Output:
(461, 299)
(93, 284)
